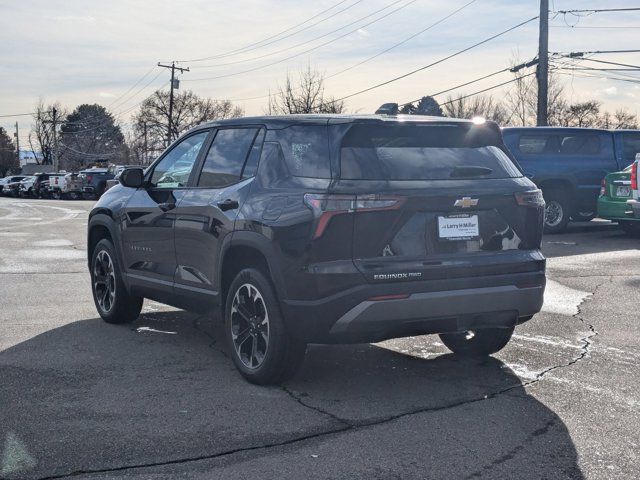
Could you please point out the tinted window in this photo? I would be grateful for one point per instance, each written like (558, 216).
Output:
(226, 157)
(174, 169)
(579, 144)
(422, 152)
(306, 151)
(630, 146)
(254, 156)
(535, 143)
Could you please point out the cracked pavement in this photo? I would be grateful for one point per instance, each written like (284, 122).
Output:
(83, 399)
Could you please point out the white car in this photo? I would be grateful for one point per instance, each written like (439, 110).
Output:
(26, 186)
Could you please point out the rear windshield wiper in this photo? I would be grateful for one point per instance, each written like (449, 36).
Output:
(470, 171)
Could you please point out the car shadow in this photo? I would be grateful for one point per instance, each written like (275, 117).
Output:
(89, 397)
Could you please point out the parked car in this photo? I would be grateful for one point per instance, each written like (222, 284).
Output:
(4, 183)
(634, 201)
(41, 184)
(70, 186)
(12, 187)
(568, 164)
(613, 200)
(95, 181)
(25, 187)
(315, 229)
(116, 170)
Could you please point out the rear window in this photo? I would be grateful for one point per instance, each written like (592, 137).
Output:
(306, 150)
(423, 152)
(579, 144)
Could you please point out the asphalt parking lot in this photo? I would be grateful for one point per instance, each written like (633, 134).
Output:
(160, 399)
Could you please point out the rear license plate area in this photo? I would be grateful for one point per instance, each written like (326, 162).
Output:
(461, 226)
(623, 191)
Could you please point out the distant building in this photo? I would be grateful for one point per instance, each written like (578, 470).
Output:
(27, 157)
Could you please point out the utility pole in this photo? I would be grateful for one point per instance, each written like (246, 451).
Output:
(17, 144)
(54, 121)
(174, 84)
(543, 65)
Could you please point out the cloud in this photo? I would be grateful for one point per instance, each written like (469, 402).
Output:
(363, 33)
(611, 91)
(106, 95)
(75, 18)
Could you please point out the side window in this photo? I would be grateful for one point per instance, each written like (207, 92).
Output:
(254, 156)
(306, 151)
(226, 157)
(630, 146)
(580, 144)
(532, 144)
(174, 169)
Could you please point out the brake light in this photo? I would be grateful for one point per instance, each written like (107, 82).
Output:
(325, 207)
(532, 198)
(634, 176)
(89, 178)
(603, 187)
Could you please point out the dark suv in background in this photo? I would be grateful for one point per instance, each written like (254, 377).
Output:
(320, 229)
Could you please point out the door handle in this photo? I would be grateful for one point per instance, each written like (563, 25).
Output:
(165, 207)
(228, 204)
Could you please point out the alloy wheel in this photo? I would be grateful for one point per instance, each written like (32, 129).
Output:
(104, 281)
(553, 213)
(249, 326)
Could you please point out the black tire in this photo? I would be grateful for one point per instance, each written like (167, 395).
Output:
(483, 342)
(557, 211)
(630, 227)
(115, 305)
(278, 356)
(583, 216)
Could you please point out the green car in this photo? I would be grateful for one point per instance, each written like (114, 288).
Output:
(612, 202)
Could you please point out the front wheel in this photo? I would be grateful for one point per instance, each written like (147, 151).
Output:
(113, 301)
(262, 348)
(481, 342)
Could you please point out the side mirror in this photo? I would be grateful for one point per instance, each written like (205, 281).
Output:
(132, 177)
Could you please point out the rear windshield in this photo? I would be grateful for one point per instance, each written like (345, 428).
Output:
(423, 152)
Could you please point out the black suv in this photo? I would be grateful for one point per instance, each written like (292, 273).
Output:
(322, 229)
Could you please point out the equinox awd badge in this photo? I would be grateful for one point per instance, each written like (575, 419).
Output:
(466, 202)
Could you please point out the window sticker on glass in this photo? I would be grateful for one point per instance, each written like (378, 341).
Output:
(299, 153)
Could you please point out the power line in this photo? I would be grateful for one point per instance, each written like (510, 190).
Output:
(459, 52)
(255, 44)
(362, 62)
(459, 86)
(488, 88)
(18, 115)
(306, 51)
(132, 87)
(305, 42)
(597, 10)
(607, 62)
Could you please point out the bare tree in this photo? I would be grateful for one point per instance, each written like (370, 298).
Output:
(304, 96)
(476, 106)
(189, 110)
(43, 129)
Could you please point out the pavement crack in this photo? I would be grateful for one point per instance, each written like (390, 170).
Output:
(298, 399)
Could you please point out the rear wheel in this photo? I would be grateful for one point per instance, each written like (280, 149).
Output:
(477, 343)
(262, 348)
(557, 210)
(113, 301)
(630, 227)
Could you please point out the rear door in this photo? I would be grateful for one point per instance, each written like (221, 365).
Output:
(434, 200)
(206, 214)
(147, 232)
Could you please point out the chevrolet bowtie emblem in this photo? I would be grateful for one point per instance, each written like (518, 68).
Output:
(466, 202)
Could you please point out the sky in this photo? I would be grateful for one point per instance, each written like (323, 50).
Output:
(93, 51)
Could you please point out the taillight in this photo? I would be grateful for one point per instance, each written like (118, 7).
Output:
(634, 176)
(603, 187)
(532, 198)
(325, 207)
(89, 178)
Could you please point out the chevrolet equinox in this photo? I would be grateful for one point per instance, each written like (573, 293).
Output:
(324, 229)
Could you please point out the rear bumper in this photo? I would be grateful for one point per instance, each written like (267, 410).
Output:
(437, 306)
(613, 210)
